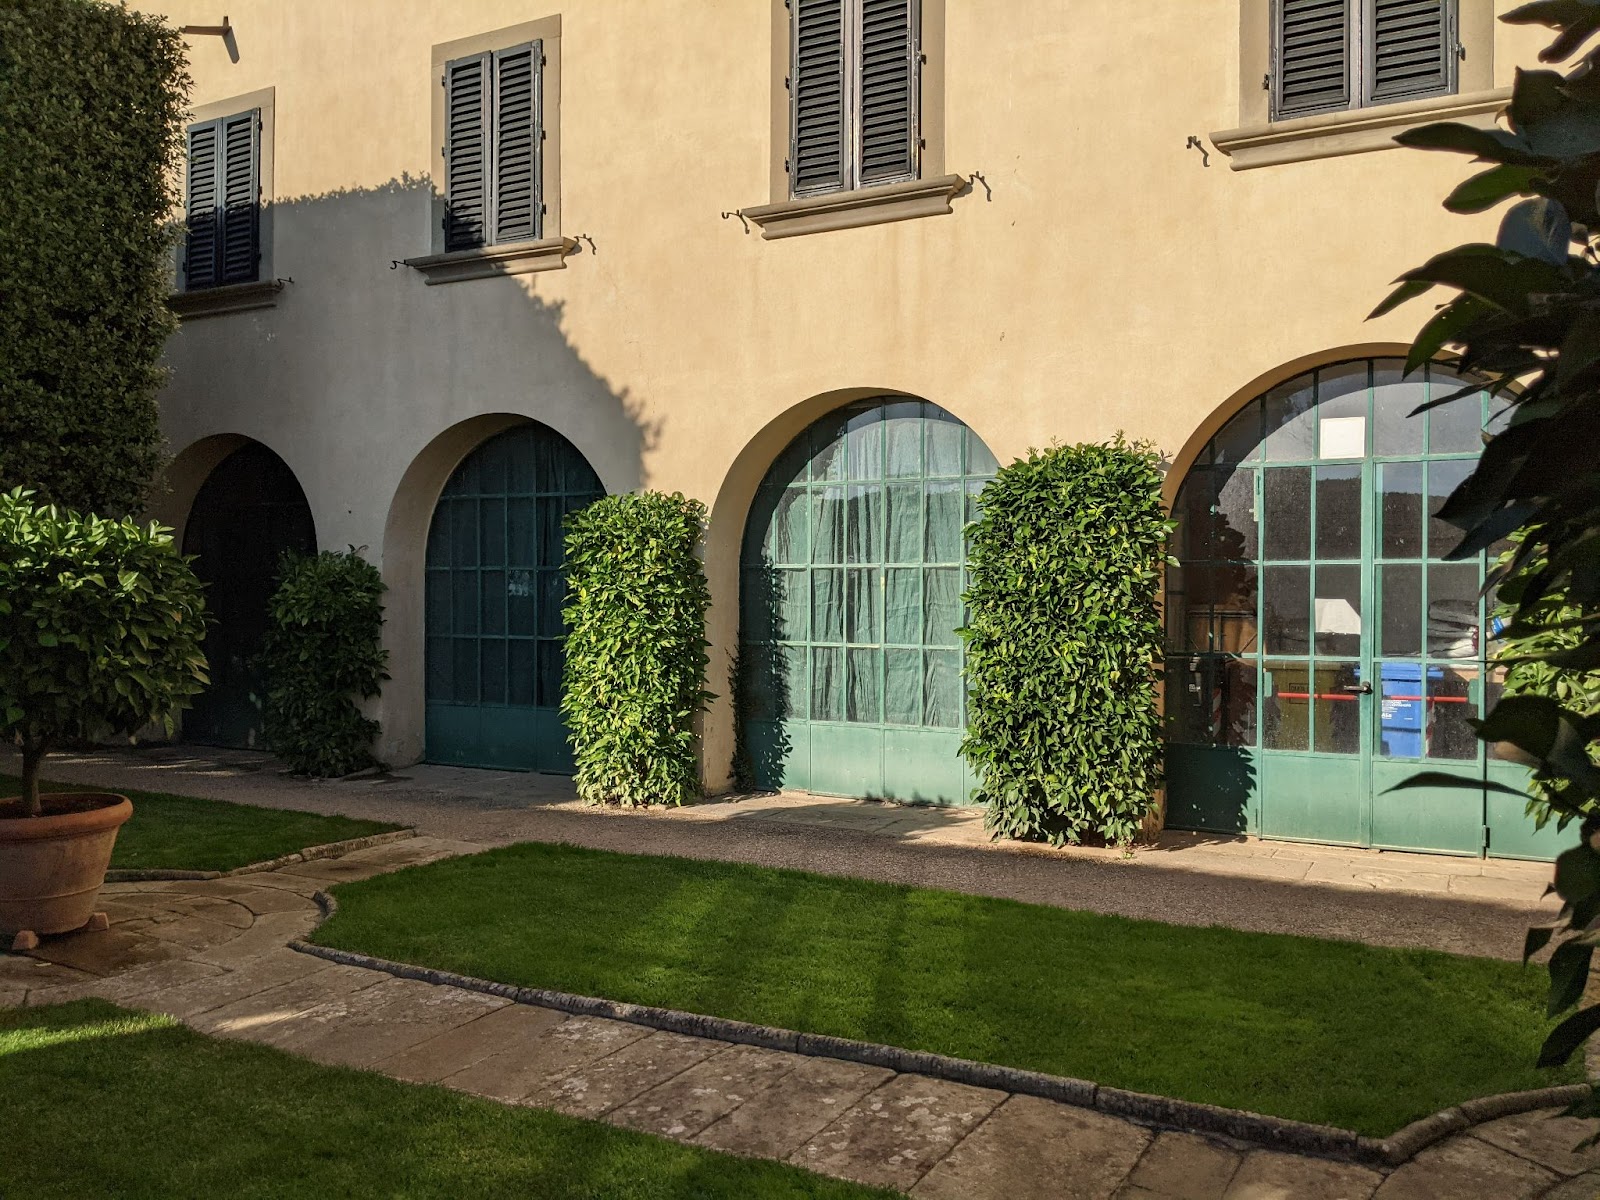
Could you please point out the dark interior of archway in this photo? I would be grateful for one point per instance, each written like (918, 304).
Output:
(249, 512)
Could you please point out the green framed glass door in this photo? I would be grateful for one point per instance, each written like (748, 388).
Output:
(1319, 649)
(495, 590)
(852, 573)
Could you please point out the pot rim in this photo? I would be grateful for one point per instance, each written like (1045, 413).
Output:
(112, 811)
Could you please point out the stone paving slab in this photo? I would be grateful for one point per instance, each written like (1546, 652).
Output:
(1545, 1138)
(456, 1049)
(686, 1104)
(1581, 1187)
(895, 1134)
(776, 1122)
(602, 1084)
(1467, 1167)
(1268, 1175)
(1185, 1166)
(254, 1016)
(1071, 1152)
(531, 1065)
(360, 1027)
(227, 986)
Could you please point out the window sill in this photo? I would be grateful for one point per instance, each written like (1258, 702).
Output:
(1358, 131)
(217, 301)
(864, 206)
(516, 258)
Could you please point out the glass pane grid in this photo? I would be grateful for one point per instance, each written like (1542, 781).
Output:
(868, 523)
(494, 571)
(1310, 488)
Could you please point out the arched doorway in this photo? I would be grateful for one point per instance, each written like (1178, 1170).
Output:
(247, 514)
(852, 571)
(1320, 649)
(494, 594)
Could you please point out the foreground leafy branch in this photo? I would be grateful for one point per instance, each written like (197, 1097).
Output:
(1526, 318)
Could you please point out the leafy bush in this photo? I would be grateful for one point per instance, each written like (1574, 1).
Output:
(91, 135)
(636, 647)
(323, 646)
(1529, 671)
(100, 629)
(1062, 640)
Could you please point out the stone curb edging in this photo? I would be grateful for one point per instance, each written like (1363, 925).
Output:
(1276, 1133)
(309, 854)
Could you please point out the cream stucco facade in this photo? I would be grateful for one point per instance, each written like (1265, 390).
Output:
(1094, 273)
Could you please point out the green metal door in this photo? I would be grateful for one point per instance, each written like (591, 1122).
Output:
(495, 590)
(1319, 648)
(247, 515)
(853, 569)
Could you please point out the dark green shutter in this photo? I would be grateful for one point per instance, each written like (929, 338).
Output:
(516, 193)
(889, 70)
(1311, 56)
(467, 89)
(222, 202)
(817, 158)
(240, 224)
(1412, 49)
(201, 194)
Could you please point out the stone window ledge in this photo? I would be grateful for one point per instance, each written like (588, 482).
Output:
(234, 297)
(514, 258)
(863, 206)
(1356, 131)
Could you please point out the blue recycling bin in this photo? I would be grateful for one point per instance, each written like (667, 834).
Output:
(1403, 714)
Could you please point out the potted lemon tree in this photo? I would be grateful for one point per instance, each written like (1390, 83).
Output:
(100, 629)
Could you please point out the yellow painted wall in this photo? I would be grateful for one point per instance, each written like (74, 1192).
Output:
(1104, 280)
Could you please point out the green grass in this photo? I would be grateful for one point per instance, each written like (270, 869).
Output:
(1350, 1035)
(193, 834)
(106, 1102)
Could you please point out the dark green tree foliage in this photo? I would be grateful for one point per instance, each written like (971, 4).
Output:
(1062, 640)
(322, 651)
(91, 104)
(1526, 317)
(100, 629)
(636, 647)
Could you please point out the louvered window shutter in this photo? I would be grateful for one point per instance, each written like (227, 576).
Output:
(890, 62)
(817, 157)
(202, 191)
(516, 191)
(467, 91)
(1311, 56)
(240, 223)
(1411, 49)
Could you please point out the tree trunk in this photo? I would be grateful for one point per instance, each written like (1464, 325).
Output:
(32, 756)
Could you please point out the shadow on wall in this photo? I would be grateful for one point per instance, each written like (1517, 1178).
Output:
(373, 385)
(403, 358)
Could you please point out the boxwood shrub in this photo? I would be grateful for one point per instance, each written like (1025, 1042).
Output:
(636, 647)
(322, 651)
(1063, 636)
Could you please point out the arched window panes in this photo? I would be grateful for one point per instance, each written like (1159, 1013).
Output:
(495, 590)
(1318, 642)
(853, 569)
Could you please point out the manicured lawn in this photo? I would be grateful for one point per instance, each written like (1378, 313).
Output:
(134, 1105)
(193, 834)
(1350, 1035)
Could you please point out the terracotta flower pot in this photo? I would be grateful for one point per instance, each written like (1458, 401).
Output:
(52, 866)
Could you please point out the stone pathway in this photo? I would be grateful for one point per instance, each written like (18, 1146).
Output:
(213, 954)
(1461, 905)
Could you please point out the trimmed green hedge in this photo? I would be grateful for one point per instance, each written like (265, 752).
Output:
(323, 647)
(91, 139)
(1063, 638)
(636, 647)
